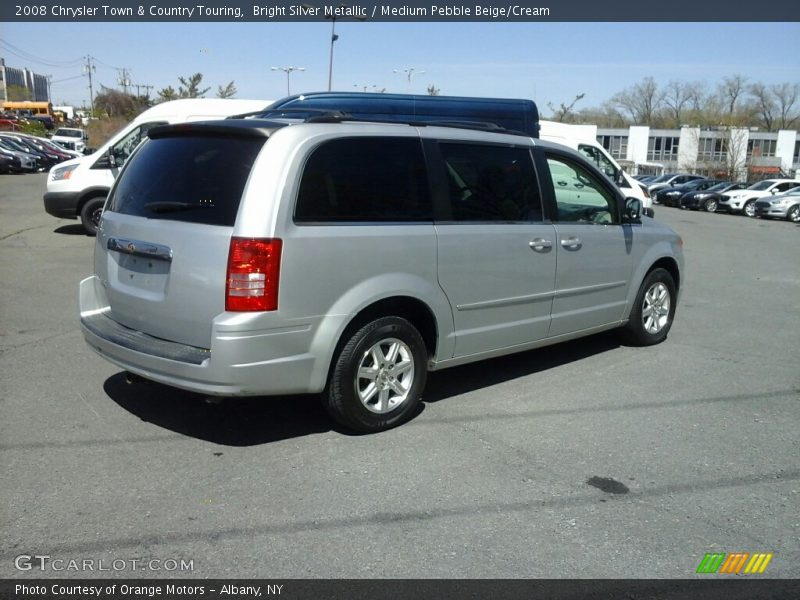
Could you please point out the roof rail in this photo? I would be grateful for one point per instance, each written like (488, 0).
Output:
(324, 115)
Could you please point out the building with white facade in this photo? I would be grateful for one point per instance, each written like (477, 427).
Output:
(743, 153)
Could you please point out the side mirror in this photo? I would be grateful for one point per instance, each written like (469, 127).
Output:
(773, 191)
(633, 210)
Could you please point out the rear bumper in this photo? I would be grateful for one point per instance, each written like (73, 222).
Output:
(63, 205)
(240, 362)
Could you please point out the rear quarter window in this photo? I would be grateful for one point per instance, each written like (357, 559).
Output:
(365, 179)
(198, 179)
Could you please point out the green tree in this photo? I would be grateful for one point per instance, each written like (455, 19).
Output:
(433, 90)
(229, 91)
(189, 88)
(18, 93)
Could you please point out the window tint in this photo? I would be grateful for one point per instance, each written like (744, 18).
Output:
(579, 195)
(123, 148)
(198, 179)
(491, 183)
(364, 179)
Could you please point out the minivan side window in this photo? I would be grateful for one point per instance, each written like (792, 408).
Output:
(579, 195)
(491, 183)
(365, 179)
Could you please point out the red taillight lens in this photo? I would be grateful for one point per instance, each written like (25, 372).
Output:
(253, 271)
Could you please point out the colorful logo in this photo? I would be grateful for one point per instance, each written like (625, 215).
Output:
(734, 563)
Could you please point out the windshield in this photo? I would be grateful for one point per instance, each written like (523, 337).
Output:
(663, 178)
(720, 187)
(199, 179)
(76, 133)
(761, 185)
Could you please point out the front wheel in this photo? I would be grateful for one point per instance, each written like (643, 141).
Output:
(749, 208)
(377, 379)
(793, 214)
(91, 213)
(653, 311)
(710, 205)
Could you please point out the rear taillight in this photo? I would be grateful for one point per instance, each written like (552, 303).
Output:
(253, 272)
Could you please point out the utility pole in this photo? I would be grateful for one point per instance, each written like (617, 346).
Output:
(88, 69)
(124, 80)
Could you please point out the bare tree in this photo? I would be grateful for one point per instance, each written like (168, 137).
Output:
(764, 103)
(731, 90)
(677, 96)
(563, 112)
(641, 101)
(785, 95)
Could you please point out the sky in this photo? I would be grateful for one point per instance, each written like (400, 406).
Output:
(548, 62)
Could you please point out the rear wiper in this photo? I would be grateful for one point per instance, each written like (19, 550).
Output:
(173, 206)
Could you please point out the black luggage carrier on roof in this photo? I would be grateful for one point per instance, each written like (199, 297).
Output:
(512, 115)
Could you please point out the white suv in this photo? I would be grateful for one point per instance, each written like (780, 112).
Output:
(744, 201)
(251, 257)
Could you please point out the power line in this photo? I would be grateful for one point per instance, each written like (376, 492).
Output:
(25, 55)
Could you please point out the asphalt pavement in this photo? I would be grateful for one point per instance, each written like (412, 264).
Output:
(589, 459)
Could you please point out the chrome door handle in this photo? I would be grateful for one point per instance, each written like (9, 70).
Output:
(572, 243)
(540, 244)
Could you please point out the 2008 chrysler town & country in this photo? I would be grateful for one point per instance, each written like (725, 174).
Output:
(249, 257)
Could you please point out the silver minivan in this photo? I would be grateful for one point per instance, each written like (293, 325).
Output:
(248, 257)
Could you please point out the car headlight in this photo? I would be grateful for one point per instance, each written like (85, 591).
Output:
(701, 196)
(62, 173)
(782, 202)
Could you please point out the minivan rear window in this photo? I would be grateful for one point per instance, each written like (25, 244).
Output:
(199, 179)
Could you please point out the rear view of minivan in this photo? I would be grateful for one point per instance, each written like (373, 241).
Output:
(348, 259)
(78, 188)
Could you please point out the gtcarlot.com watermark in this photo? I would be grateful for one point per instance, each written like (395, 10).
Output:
(45, 562)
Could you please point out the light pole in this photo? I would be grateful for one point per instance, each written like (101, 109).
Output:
(288, 71)
(335, 37)
(409, 72)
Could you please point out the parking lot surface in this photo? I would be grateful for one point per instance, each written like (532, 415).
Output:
(588, 459)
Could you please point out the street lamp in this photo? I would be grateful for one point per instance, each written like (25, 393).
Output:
(335, 37)
(410, 72)
(288, 71)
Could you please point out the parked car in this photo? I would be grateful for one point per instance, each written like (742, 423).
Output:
(45, 158)
(744, 201)
(670, 179)
(671, 196)
(71, 138)
(708, 199)
(232, 259)
(780, 206)
(9, 163)
(45, 146)
(28, 161)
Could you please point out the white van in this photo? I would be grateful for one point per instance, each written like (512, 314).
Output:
(582, 138)
(78, 187)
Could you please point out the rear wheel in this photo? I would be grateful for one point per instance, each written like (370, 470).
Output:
(91, 213)
(653, 311)
(793, 214)
(377, 379)
(710, 205)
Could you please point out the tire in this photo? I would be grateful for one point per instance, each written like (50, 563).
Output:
(710, 205)
(90, 214)
(377, 379)
(656, 297)
(793, 214)
(749, 208)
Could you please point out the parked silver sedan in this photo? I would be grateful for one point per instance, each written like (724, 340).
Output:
(781, 206)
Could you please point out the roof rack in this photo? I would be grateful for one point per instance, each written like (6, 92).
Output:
(324, 115)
